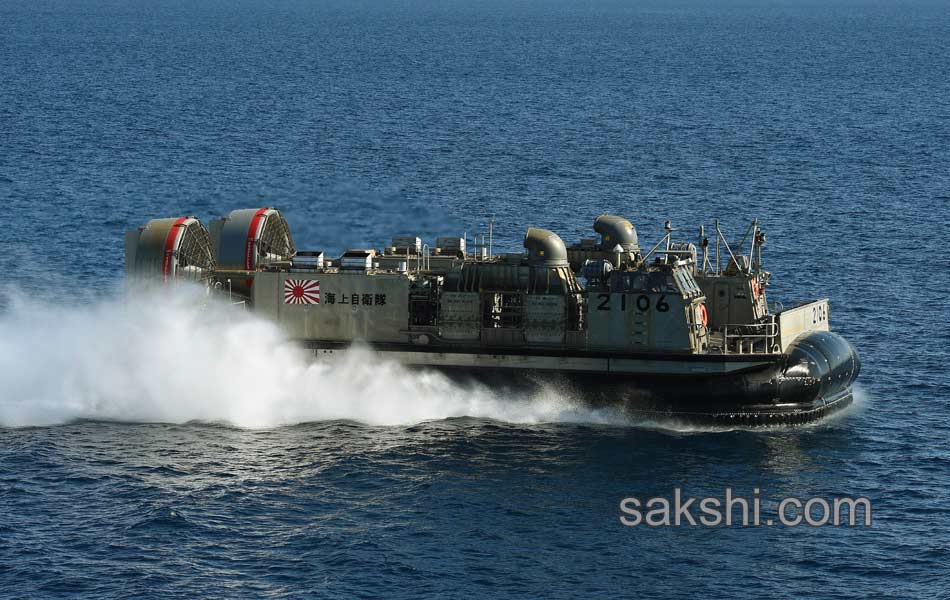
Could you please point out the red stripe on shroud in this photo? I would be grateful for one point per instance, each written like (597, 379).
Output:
(171, 240)
(251, 235)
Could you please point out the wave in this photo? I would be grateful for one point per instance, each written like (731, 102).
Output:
(174, 357)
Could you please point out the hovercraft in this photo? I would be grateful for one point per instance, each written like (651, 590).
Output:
(682, 330)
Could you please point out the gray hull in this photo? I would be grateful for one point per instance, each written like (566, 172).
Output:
(812, 380)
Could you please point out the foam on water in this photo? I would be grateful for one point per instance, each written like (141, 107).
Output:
(175, 358)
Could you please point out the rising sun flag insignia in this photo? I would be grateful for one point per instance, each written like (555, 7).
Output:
(301, 291)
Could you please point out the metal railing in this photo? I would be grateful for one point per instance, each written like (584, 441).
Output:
(751, 338)
(422, 258)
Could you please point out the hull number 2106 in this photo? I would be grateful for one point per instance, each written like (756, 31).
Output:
(643, 302)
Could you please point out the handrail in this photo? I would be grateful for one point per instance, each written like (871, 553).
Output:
(766, 333)
(422, 259)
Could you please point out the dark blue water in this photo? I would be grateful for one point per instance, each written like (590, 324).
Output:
(830, 121)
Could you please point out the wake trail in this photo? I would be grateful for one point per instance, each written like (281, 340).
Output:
(174, 357)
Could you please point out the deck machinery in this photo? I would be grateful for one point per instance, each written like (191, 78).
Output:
(680, 330)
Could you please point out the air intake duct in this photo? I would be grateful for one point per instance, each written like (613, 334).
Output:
(545, 248)
(615, 230)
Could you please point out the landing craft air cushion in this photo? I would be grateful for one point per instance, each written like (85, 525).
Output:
(670, 332)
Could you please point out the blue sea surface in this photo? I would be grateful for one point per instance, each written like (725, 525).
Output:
(141, 465)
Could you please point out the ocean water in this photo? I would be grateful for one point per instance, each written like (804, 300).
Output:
(148, 449)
